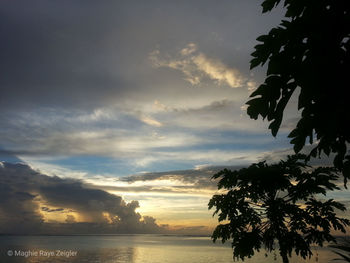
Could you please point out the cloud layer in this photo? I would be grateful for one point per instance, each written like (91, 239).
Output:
(26, 195)
(97, 55)
(109, 81)
(119, 92)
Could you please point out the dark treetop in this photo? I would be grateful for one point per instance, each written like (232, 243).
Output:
(308, 51)
(265, 203)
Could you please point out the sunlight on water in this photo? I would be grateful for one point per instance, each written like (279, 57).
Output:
(129, 248)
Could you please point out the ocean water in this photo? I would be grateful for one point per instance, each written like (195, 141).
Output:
(130, 248)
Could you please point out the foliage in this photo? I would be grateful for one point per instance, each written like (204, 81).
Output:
(267, 203)
(344, 246)
(308, 51)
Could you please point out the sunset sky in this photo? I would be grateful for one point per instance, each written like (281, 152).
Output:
(122, 111)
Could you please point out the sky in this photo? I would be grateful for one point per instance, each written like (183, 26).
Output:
(115, 114)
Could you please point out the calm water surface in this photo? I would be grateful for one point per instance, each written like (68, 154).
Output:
(128, 248)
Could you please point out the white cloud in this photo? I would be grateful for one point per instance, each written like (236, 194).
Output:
(216, 70)
(191, 48)
(219, 157)
(252, 85)
(196, 66)
(96, 115)
(54, 170)
(150, 121)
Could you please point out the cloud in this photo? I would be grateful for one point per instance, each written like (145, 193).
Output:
(158, 106)
(18, 211)
(225, 114)
(87, 86)
(46, 209)
(80, 59)
(216, 70)
(179, 181)
(212, 133)
(103, 132)
(26, 195)
(150, 121)
(34, 203)
(196, 66)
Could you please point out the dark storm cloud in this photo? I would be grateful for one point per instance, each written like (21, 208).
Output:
(18, 211)
(24, 190)
(87, 53)
(46, 209)
(50, 54)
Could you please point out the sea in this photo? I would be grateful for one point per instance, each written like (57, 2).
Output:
(132, 249)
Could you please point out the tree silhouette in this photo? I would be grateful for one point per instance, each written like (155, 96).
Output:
(344, 247)
(264, 204)
(308, 51)
(267, 203)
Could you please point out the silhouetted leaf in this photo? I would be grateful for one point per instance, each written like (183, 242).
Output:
(262, 38)
(274, 126)
(254, 62)
(268, 5)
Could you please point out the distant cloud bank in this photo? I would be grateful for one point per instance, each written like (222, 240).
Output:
(34, 203)
(27, 195)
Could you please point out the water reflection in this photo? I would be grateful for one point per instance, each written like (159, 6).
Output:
(133, 249)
